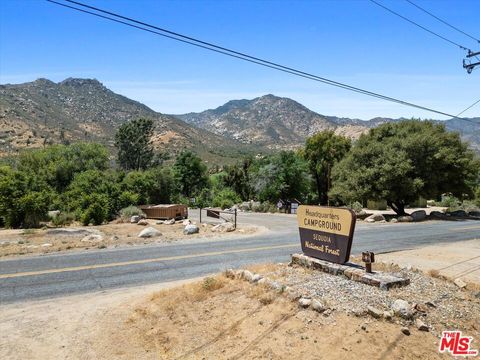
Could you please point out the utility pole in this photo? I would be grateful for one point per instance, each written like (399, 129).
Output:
(468, 65)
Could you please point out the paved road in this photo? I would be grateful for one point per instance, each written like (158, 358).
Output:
(54, 275)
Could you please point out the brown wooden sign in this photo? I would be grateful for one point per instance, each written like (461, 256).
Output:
(213, 213)
(326, 232)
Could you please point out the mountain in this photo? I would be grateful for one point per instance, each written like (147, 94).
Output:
(276, 122)
(266, 121)
(44, 112)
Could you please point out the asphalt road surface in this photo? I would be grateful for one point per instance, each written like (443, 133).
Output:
(49, 276)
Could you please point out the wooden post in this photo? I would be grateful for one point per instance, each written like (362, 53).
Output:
(200, 215)
(235, 219)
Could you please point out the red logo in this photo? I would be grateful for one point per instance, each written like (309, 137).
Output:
(456, 344)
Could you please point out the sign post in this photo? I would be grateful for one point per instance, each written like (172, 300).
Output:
(326, 232)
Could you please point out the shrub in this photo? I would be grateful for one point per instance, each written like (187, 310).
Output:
(356, 206)
(211, 284)
(96, 213)
(129, 211)
(63, 219)
(225, 198)
(450, 202)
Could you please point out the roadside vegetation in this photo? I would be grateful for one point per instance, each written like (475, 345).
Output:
(396, 162)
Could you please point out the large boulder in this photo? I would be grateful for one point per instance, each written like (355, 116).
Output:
(53, 214)
(458, 213)
(474, 213)
(149, 232)
(72, 231)
(375, 218)
(224, 227)
(419, 215)
(191, 229)
(438, 215)
(405, 218)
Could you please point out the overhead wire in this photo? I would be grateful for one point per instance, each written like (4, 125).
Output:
(443, 21)
(468, 108)
(420, 26)
(232, 53)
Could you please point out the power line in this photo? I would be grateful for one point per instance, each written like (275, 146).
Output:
(443, 21)
(232, 53)
(475, 103)
(420, 26)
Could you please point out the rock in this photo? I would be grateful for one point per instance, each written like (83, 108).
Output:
(458, 213)
(46, 245)
(421, 325)
(460, 283)
(169, 222)
(72, 231)
(159, 222)
(373, 311)
(114, 238)
(405, 330)
(186, 222)
(375, 218)
(362, 214)
(256, 278)
(191, 229)
(135, 219)
(388, 315)
(149, 232)
(419, 215)
(364, 327)
(247, 275)
(421, 308)
(402, 308)
(438, 215)
(204, 225)
(304, 302)
(53, 214)
(229, 273)
(393, 220)
(92, 238)
(431, 304)
(405, 218)
(318, 306)
(244, 206)
(224, 227)
(142, 222)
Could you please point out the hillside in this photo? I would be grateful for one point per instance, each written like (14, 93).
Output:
(267, 121)
(44, 112)
(277, 122)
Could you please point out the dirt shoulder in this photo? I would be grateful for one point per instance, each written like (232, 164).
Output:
(451, 260)
(43, 241)
(228, 317)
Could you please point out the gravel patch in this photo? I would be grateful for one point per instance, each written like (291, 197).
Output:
(440, 304)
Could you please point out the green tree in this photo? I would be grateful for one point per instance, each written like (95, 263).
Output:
(92, 190)
(282, 176)
(399, 162)
(24, 199)
(190, 174)
(133, 141)
(238, 178)
(322, 151)
(58, 164)
(153, 186)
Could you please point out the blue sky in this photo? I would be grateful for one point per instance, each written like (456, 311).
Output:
(355, 42)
